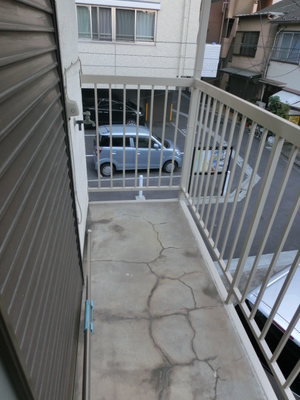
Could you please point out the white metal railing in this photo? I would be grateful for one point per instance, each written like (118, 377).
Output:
(130, 178)
(236, 210)
(225, 220)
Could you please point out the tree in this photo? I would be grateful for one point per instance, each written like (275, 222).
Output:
(278, 108)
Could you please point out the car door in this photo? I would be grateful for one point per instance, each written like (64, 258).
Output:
(143, 149)
(117, 153)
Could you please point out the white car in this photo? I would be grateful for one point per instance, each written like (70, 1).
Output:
(291, 353)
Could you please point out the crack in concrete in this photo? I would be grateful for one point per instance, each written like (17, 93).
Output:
(164, 380)
(160, 377)
(192, 291)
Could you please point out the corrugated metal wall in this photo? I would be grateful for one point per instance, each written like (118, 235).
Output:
(40, 266)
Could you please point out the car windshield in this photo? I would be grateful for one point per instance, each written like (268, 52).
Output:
(166, 144)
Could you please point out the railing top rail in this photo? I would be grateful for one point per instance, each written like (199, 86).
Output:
(272, 122)
(135, 80)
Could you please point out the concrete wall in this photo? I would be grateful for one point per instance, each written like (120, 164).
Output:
(71, 68)
(171, 55)
(286, 73)
(240, 7)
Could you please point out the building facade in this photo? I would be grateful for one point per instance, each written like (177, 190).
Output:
(138, 38)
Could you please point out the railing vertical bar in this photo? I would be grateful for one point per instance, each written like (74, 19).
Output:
(205, 131)
(212, 190)
(163, 135)
(282, 240)
(280, 296)
(110, 138)
(248, 196)
(137, 134)
(260, 203)
(210, 134)
(150, 130)
(194, 178)
(189, 143)
(176, 130)
(286, 335)
(237, 193)
(292, 376)
(124, 131)
(233, 123)
(231, 177)
(97, 134)
(273, 214)
(136, 157)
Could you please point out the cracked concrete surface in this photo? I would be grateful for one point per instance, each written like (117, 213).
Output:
(160, 329)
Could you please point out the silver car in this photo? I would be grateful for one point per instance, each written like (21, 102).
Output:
(130, 150)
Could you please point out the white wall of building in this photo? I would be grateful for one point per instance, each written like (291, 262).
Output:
(172, 54)
(66, 16)
(285, 73)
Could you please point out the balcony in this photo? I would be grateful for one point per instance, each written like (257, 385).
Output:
(166, 273)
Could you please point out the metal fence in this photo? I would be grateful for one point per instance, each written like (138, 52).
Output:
(251, 207)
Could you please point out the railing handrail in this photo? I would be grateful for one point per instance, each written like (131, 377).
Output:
(136, 80)
(287, 130)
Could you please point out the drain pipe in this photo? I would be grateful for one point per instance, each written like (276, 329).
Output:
(88, 327)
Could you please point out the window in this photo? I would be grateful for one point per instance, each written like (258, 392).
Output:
(228, 25)
(101, 23)
(143, 143)
(116, 141)
(246, 44)
(83, 19)
(287, 47)
(116, 24)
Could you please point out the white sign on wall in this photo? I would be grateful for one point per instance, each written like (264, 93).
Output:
(211, 60)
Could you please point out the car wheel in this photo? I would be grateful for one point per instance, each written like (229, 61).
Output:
(105, 169)
(131, 122)
(168, 166)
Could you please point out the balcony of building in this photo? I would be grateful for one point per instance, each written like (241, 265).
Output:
(168, 266)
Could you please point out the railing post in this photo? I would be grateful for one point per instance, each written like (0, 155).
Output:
(193, 109)
(189, 142)
(201, 38)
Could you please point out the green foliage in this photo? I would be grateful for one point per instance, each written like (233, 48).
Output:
(278, 108)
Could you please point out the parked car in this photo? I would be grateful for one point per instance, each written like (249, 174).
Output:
(117, 105)
(291, 352)
(130, 150)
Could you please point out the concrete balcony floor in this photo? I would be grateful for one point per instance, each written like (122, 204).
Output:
(161, 330)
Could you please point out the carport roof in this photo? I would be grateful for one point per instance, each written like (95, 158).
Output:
(246, 73)
(292, 99)
(272, 82)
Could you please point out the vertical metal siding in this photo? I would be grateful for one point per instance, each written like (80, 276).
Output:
(40, 266)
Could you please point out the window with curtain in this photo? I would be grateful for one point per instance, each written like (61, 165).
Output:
(125, 25)
(116, 24)
(83, 19)
(145, 26)
(287, 47)
(105, 24)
